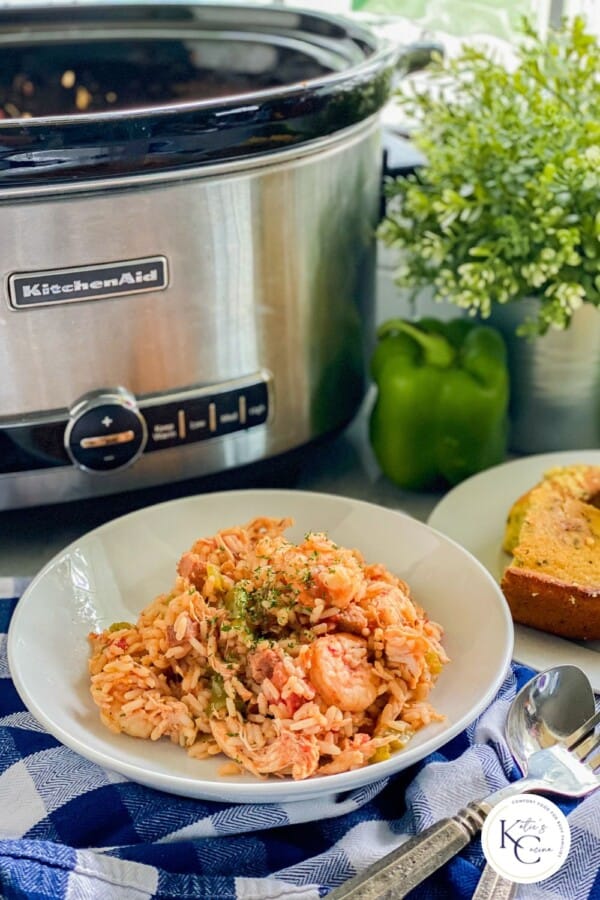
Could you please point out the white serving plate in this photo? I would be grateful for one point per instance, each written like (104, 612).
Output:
(474, 514)
(111, 573)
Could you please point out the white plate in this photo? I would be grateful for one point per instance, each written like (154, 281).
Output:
(474, 514)
(114, 571)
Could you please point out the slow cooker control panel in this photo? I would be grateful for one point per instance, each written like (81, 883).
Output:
(106, 431)
(109, 429)
(193, 416)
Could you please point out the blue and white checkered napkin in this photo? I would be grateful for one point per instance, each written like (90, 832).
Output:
(69, 829)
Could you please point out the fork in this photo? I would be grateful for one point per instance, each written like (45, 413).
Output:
(560, 770)
(492, 885)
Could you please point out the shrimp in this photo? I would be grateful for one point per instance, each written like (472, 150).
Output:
(340, 583)
(388, 605)
(341, 673)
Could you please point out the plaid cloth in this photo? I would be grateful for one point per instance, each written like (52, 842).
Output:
(70, 829)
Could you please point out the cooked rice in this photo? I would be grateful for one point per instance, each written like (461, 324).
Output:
(290, 659)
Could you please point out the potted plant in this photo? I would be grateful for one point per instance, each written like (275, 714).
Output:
(503, 218)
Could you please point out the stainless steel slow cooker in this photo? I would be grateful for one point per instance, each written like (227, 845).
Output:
(188, 196)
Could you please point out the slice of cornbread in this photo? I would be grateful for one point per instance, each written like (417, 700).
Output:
(553, 532)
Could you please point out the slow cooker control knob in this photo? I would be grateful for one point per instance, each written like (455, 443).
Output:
(106, 431)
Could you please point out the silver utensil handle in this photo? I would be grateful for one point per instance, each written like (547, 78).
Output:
(492, 886)
(401, 870)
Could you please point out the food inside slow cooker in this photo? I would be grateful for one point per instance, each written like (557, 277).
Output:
(71, 78)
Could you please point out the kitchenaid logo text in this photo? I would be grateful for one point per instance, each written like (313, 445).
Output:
(116, 279)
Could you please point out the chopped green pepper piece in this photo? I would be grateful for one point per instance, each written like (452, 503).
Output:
(236, 601)
(119, 626)
(217, 694)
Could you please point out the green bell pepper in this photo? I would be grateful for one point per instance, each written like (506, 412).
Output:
(441, 412)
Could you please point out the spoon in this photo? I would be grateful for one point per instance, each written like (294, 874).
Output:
(549, 708)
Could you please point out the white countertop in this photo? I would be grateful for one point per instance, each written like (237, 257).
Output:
(341, 465)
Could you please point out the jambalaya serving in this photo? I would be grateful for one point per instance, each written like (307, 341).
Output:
(291, 659)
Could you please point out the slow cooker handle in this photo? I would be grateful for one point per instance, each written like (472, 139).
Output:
(417, 55)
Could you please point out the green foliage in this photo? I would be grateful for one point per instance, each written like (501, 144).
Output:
(508, 203)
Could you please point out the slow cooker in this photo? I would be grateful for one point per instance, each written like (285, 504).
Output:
(188, 198)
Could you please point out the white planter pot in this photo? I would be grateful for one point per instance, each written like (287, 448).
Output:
(555, 381)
